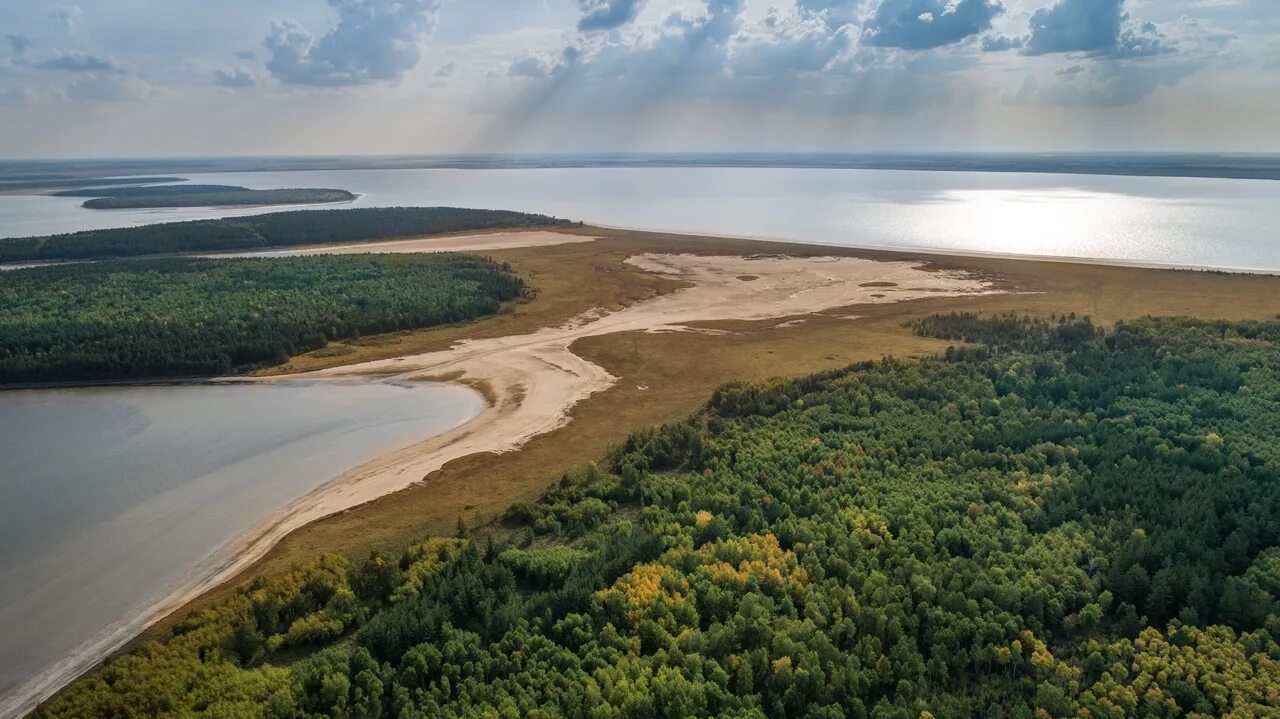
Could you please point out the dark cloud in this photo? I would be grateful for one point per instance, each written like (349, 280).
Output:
(76, 61)
(18, 45)
(1075, 26)
(374, 41)
(926, 24)
(607, 14)
(247, 55)
(234, 77)
(1093, 27)
(69, 16)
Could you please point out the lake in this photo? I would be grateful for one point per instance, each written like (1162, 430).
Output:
(1188, 222)
(112, 495)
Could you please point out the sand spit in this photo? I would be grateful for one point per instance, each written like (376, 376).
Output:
(533, 381)
(449, 243)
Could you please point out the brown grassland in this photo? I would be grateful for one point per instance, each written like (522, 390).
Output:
(665, 376)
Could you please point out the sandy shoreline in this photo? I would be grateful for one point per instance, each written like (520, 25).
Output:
(533, 382)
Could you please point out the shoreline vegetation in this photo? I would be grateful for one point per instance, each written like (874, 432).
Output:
(271, 230)
(657, 381)
(121, 198)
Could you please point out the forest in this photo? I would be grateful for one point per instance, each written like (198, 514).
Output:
(130, 319)
(1049, 520)
(277, 229)
(115, 198)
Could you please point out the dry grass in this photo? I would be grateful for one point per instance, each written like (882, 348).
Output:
(666, 376)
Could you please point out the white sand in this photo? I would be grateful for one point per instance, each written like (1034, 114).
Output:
(537, 381)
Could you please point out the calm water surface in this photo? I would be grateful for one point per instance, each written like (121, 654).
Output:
(112, 494)
(1178, 221)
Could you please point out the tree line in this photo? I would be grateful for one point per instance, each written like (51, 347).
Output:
(116, 198)
(127, 319)
(1063, 521)
(277, 229)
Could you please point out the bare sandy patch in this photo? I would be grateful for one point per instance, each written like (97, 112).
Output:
(532, 381)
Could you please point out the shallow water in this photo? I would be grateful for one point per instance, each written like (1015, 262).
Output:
(113, 494)
(1159, 220)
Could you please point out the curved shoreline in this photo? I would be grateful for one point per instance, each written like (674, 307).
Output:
(533, 382)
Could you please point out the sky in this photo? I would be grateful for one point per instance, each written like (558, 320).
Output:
(130, 78)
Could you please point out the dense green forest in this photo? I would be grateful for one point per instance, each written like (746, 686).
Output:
(277, 229)
(201, 196)
(1064, 521)
(190, 316)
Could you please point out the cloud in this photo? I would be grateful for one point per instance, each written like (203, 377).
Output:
(787, 44)
(926, 24)
(112, 88)
(235, 77)
(1093, 27)
(836, 13)
(607, 14)
(76, 61)
(529, 66)
(247, 55)
(1000, 43)
(1100, 85)
(374, 41)
(18, 45)
(15, 96)
(69, 16)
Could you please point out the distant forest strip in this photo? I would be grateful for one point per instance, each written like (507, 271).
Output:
(1063, 521)
(1216, 165)
(134, 319)
(230, 196)
(51, 183)
(278, 229)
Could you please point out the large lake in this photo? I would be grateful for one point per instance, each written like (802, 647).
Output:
(1158, 220)
(112, 495)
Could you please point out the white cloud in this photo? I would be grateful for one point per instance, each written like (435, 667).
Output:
(112, 88)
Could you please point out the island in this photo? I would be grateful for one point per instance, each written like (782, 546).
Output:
(151, 196)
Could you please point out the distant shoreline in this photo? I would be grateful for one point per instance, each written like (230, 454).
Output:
(1239, 166)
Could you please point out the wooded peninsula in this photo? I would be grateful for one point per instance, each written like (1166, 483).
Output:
(131, 319)
(277, 229)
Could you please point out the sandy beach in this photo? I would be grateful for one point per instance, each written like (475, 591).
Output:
(533, 381)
